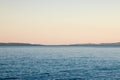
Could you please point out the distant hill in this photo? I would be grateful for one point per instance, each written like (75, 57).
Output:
(101, 44)
(91, 44)
(19, 44)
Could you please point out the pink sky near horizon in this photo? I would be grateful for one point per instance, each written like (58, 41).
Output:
(59, 22)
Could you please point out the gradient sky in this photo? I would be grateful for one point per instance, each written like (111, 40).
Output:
(60, 21)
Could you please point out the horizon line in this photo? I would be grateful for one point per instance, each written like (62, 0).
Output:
(59, 44)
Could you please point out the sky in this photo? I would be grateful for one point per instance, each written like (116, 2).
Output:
(60, 21)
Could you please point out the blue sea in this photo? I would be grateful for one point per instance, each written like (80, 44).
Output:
(59, 63)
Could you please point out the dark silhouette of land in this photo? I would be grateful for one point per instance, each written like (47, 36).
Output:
(19, 44)
(89, 44)
(100, 44)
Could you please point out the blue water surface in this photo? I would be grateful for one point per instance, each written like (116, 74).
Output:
(59, 63)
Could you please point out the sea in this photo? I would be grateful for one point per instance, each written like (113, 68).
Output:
(59, 63)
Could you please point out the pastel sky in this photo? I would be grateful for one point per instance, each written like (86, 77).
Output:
(60, 21)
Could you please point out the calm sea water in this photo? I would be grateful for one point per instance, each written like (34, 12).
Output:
(59, 63)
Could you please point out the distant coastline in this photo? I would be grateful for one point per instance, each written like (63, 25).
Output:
(89, 44)
(19, 44)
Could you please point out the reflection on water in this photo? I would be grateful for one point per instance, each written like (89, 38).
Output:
(61, 63)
